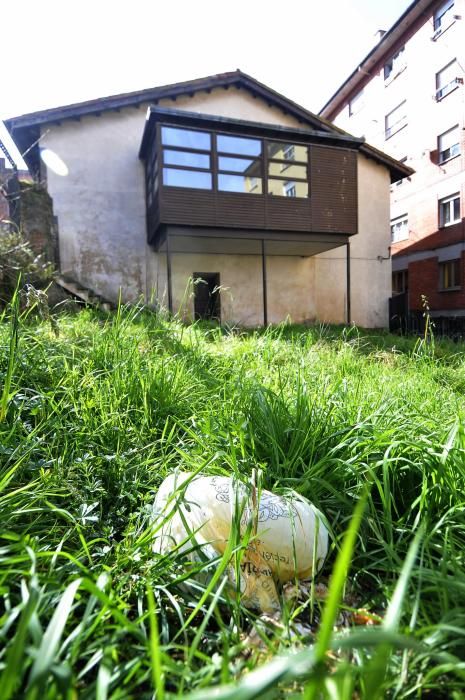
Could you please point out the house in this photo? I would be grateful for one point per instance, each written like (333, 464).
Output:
(219, 198)
(407, 98)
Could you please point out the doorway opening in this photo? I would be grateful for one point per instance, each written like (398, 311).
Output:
(207, 296)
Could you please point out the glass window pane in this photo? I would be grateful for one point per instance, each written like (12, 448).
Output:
(240, 165)
(193, 160)
(237, 183)
(288, 188)
(239, 145)
(188, 139)
(456, 209)
(287, 151)
(449, 138)
(446, 213)
(290, 170)
(187, 178)
(447, 75)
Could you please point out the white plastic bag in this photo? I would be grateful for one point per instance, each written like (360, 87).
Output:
(286, 538)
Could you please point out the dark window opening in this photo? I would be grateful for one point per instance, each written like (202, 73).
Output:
(207, 303)
(449, 275)
(399, 282)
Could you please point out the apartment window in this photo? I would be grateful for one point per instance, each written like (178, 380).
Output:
(449, 210)
(356, 103)
(290, 189)
(289, 153)
(449, 144)
(399, 282)
(449, 275)
(443, 16)
(399, 229)
(448, 79)
(254, 183)
(395, 120)
(395, 65)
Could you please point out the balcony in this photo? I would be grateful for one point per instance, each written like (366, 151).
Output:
(228, 174)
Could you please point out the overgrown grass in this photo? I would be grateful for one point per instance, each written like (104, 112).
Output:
(370, 427)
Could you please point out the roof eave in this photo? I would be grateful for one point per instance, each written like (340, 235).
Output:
(413, 12)
(175, 116)
(115, 102)
(397, 170)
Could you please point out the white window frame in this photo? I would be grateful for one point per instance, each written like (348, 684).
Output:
(397, 125)
(290, 189)
(401, 224)
(357, 103)
(397, 64)
(449, 152)
(442, 19)
(443, 90)
(447, 204)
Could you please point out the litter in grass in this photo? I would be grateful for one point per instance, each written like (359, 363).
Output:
(278, 538)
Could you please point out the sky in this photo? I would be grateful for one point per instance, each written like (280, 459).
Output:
(57, 52)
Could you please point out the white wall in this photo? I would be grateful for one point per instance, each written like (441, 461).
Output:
(290, 286)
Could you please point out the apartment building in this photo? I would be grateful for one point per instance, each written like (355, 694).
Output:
(407, 98)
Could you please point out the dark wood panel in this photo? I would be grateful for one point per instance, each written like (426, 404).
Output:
(333, 182)
(331, 207)
(237, 210)
(153, 221)
(288, 213)
(179, 205)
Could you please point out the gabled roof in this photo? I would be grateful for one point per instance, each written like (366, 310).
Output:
(25, 128)
(234, 78)
(416, 12)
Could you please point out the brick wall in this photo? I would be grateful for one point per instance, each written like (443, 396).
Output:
(423, 276)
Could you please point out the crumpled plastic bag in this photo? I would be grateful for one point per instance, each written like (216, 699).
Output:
(285, 536)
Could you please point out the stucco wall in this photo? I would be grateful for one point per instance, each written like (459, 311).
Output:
(100, 205)
(370, 277)
(290, 286)
(235, 103)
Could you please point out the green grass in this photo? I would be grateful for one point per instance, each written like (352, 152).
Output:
(369, 427)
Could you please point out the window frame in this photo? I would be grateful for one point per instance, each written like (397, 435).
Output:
(358, 102)
(398, 220)
(396, 126)
(162, 147)
(454, 155)
(452, 270)
(438, 15)
(260, 177)
(449, 87)
(403, 275)
(449, 201)
(395, 70)
(257, 176)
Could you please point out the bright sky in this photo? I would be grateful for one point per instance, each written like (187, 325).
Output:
(56, 52)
